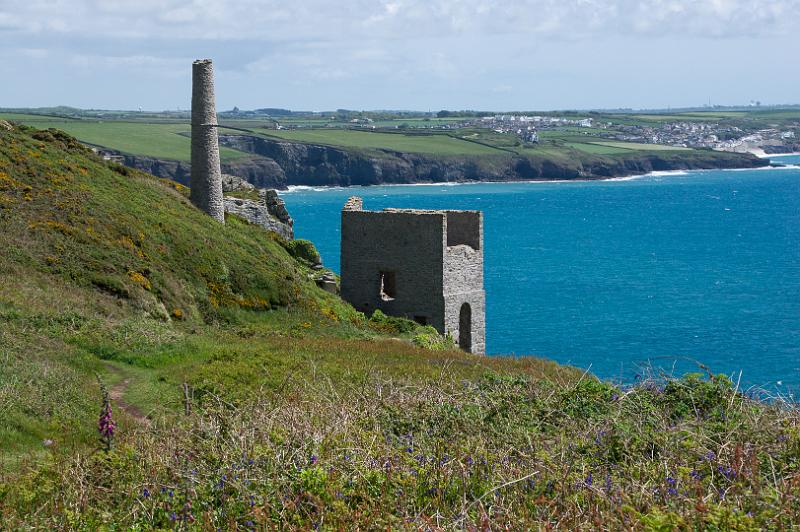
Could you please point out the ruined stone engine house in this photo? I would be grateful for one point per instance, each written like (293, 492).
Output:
(425, 265)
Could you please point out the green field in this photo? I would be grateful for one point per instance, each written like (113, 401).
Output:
(158, 140)
(638, 146)
(437, 144)
(691, 117)
(597, 149)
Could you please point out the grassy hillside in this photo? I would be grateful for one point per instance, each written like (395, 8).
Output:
(246, 398)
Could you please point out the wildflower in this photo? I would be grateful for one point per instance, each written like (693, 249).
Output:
(146, 493)
(608, 483)
(710, 456)
(589, 481)
(313, 459)
(671, 490)
(727, 472)
(173, 516)
(105, 425)
(470, 461)
(171, 493)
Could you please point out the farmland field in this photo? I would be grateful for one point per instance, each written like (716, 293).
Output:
(597, 149)
(161, 141)
(637, 146)
(689, 117)
(437, 144)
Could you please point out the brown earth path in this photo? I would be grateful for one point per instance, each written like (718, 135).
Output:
(117, 392)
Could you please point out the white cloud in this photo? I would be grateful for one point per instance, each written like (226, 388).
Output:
(322, 19)
(406, 53)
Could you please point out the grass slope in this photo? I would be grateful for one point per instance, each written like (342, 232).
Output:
(301, 413)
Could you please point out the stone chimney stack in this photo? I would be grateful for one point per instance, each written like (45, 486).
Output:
(206, 179)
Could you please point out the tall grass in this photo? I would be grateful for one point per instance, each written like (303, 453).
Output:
(493, 452)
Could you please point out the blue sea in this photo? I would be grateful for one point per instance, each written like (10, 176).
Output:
(624, 277)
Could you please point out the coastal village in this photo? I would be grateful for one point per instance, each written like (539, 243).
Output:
(692, 131)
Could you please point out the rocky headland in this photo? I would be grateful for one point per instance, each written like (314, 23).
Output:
(279, 164)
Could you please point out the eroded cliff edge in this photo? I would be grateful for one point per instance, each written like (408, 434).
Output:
(278, 164)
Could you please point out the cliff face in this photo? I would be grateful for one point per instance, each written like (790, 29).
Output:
(308, 164)
(260, 171)
(278, 164)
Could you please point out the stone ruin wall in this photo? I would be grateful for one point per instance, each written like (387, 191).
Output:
(463, 275)
(433, 280)
(206, 175)
(406, 244)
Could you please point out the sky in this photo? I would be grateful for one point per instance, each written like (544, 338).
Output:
(400, 54)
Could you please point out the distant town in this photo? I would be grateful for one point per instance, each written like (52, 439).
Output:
(755, 129)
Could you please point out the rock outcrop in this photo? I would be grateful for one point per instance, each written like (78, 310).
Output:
(269, 211)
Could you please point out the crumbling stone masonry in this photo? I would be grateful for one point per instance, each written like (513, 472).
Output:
(206, 178)
(419, 264)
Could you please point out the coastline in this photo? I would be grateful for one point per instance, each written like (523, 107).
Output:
(758, 152)
(778, 155)
(661, 173)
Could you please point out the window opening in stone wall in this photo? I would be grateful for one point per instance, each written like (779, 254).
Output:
(465, 328)
(422, 320)
(388, 286)
(463, 228)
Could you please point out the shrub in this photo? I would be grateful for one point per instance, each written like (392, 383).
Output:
(392, 324)
(694, 395)
(429, 338)
(303, 250)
